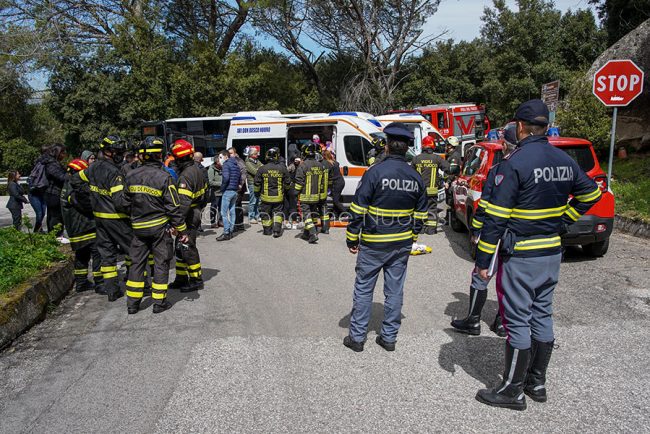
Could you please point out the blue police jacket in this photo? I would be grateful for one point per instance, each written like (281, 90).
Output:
(529, 197)
(389, 207)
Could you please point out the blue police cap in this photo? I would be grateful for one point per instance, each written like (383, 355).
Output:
(398, 129)
(534, 112)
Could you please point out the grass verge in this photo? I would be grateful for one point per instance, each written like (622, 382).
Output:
(631, 186)
(23, 256)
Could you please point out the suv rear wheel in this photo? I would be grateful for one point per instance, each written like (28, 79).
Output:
(597, 249)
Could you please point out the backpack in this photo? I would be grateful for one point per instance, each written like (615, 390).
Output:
(37, 179)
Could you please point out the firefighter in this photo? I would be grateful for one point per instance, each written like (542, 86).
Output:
(271, 182)
(154, 205)
(377, 152)
(309, 185)
(525, 216)
(80, 226)
(428, 164)
(192, 191)
(326, 185)
(114, 233)
(387, 214)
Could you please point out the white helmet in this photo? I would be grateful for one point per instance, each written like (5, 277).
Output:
(453, 141)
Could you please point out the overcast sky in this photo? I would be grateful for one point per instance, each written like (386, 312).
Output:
(462, 18)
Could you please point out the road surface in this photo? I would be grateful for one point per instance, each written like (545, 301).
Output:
(259, 350)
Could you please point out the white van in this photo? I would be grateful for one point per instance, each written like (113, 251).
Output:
(350, 135)
(420, 128)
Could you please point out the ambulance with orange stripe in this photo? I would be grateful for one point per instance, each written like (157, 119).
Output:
(350, 133)
(420, 127)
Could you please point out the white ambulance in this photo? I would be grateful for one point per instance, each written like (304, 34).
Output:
(420, 128)
(350, 133)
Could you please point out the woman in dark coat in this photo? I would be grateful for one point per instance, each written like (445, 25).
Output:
(55, 174)
(16, 198)
(338, 182)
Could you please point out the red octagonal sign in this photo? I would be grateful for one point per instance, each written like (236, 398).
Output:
(618, 82)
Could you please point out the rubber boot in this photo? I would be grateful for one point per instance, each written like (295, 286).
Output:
(195, 284)
(305, 235)
(472, 323)
(536, 380)
(497, 326)
(325, 229)
(267, 230)
(179, 282)
(83, 285)
(510, 393)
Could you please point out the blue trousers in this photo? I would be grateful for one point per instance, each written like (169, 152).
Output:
(253, 204)
(40, 208)
(228, 203)
(369, 263)
(525, 290)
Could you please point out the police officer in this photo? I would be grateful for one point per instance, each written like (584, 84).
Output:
(114, 233)
(80, 226)
(387, 214)
(192, 191)
(309, 185)
(428, 164)
(271, 182)
(525, 216)
(478, 287)
(153, 202)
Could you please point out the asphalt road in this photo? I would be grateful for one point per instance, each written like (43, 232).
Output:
(259, 350)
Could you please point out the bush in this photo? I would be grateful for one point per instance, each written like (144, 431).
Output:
(17, 154)
(631, 186)
(23, 256)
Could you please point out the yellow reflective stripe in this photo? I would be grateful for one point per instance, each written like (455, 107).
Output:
(82, 175)
(134, 294)
(477, 224)
(80, 272)
(182, 228)
(498, 211)
(572, 213)
(97, 273)
(422, 215)
(383, 212)
(487, 247)
(174, 194)
(181, 264)
(133, 284)
(109, 275)
(589, 196)
(298, 187)
(159, 286)
(145, 189)
(117, 188)
(358, 209)
(350, 236)
(110, 215)
(195, 274)
(272, 199)
(539, 243)
(81, 238)
(158, 295)
(100, 191)
(181, 272)
(109, 268)
(194, 266)
(150, 223)
(482, 203)
(278, 219)
(185, 192)
(384, 238)
(537, 214)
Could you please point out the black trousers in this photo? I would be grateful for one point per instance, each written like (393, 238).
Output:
(239, 211)
(156, 242)
(82, 258)
(188, 261)
(215, 208)
(54, 215)
(272, 217)
(337, 190)
(430, 226)
(16, 217)
(310, 213)
(291, 205)
(113, 235)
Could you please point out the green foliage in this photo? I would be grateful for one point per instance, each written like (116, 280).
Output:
(583, 115)
(631, 186)
(621, 16)
(23, 256)
(17, 154)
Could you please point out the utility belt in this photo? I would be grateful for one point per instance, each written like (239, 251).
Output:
(514, 245)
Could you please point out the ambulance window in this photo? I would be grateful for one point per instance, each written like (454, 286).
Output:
(356, 149)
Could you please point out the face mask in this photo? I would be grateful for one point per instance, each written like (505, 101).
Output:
(222, 159)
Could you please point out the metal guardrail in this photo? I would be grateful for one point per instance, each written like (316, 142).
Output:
(5, 181)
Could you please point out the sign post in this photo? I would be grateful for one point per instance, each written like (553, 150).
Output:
(616, 84)
(551, 97)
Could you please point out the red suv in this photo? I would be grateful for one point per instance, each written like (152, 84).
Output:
(591, 231)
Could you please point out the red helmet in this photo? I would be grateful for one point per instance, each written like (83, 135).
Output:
(182, 148)
(78, 165)
(427, 142)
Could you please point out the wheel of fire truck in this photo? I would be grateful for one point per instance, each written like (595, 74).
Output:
(454, 222)
(596, 250)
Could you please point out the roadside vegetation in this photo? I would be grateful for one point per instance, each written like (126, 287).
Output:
(25, 255)
(631, 186)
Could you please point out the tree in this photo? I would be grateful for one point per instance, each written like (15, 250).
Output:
(620, 17)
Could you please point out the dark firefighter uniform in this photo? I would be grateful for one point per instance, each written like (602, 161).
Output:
(428, 164)
(325, 187)
(80, 226)
(271, 182)
(387, 214)
(309, 184)
(154, 204)
(192, 191)
(377, 153)
(525, 215)
(113, 225)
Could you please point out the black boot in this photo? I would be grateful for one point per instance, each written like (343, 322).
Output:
(194, 285)
(539, 358)
(179, 282)
(305, 235)
(133, 307)
(224, 236)
(115, 296)
(510, 393)
(325, 229)
(313, 238)
(497, 326)
(472, 323)
(161, 307)
(83, 285)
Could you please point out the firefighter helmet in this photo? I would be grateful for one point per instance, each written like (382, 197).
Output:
(308, 150)
(273, 154)
(182, 149)
(378, 140)
(428, 142)
(453, 141)
(113, 142)
(152, 145)
(77, 165)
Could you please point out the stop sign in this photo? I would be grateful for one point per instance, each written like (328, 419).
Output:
(618, 82)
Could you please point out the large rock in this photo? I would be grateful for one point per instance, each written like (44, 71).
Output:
(633, 127)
